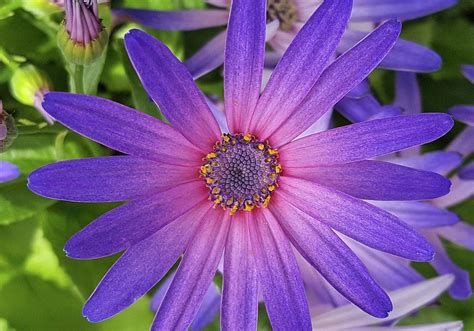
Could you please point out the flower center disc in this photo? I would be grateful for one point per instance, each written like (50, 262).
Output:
(241, 172)
(283, 11)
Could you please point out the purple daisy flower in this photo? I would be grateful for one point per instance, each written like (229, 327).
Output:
(285, 19)
(261, 181)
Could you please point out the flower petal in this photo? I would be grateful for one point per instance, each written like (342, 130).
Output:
(381, 264)
(461, 190)
(279, 277)
(140, 268)
(468, 72)
(207, 58)
(243, 65)
(440, 162)
(463, 114)
(338, 79)
(376, 180)
(359, 110)
(380, 10)
(218, 115)
(180, 20)
(8, 171)
(106, 179)
(121, 128)
(460, 234)
(408, 94)
(171, 86)
(361, 90)
(194, 274)
(442, 263)
(320, 246)
(211, 55)
(418, 214)
(239, 298)
(404, 56)
(301, 66)
(208, 310)
(365, 140)
(356, 219)
(405, 301)
(134, 221)
(463, 142)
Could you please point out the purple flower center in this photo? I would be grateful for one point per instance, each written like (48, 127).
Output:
(283, 11)
(241, 172)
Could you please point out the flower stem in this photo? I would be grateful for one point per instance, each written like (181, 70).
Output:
(77, 81)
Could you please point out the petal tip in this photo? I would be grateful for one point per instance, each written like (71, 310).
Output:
(382, 308)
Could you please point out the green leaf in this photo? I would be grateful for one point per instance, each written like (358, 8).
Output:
(32, 39)
(59, 223)
(453, 40)
(30, 303)
(7, 7)
(16, 241)
(17, 203)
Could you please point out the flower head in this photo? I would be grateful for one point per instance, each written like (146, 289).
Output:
(170, 172)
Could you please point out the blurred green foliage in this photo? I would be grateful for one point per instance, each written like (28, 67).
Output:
(42, 289)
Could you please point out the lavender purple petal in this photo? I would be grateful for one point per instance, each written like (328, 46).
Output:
(279, 277)
(381, 10)
(404, 56)
(180, 20)
(194, 274)
(135, 220)
(243, 65)
(301, 66)
(173, 89)
(121, 128)
(320, 246)
(365, 140)
(463, 113)
(376, 180)
(356, 219)
(239, 297)
(139, 269)
(106, 179)
(337, 80)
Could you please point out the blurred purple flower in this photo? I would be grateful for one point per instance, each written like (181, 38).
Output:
(8, 172)
(263, 180)
(432, 218)
(286, 17)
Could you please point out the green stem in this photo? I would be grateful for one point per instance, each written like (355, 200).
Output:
(77, 79)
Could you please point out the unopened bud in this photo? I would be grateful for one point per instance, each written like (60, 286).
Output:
(82, 37)
(29, 85)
